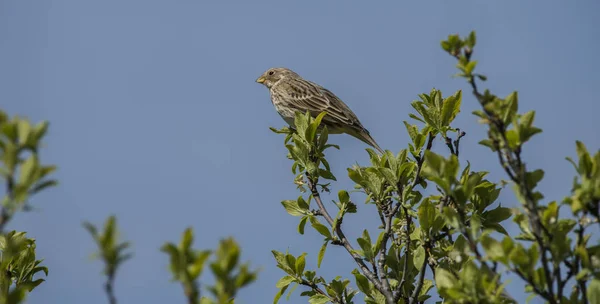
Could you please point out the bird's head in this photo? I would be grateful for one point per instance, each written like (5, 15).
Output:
(273, 75)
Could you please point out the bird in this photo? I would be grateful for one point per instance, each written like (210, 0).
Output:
(291, 93)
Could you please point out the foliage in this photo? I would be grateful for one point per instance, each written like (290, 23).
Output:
(187, 265)
(110, 251)
(439, 217)
(19, 267)
(442, 216)
(24, 176)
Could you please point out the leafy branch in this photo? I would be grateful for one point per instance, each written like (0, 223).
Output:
(508, 131)
(187, 264)
(110, 251)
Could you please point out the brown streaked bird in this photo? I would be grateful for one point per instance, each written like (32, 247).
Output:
(290, 93)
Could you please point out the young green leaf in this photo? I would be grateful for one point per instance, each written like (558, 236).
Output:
(322, 253)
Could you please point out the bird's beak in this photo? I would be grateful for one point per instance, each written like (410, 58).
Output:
(260, 79)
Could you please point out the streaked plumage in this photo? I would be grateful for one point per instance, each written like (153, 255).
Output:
(291, 93)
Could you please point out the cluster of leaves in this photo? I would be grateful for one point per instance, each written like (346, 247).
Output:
(187, 265)
(110, 251)
(19, 267)
(586, 186)
(24, 176)
(416, 231)
(452, 228)
(307, 147)
(21, 168)
(544, 254)
(336, 291)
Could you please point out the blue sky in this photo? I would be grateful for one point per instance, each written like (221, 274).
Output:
(155, 116)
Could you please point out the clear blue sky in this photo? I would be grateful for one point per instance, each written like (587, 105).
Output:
(155, 115)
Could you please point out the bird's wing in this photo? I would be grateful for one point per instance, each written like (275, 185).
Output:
(305, 95)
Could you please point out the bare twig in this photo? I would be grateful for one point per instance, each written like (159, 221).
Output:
(108, 288)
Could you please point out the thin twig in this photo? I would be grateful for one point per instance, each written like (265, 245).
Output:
(540, 292)
(515, 169)
(108, 288)
(382, 251)
(318, 290)
(408, 218)
(4, 214)
(338, 230)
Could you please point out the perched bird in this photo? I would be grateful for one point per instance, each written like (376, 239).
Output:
(290, 93)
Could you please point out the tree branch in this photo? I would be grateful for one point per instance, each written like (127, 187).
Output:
(318, 290)
(515, 169)
(415, 182)
(338, 230)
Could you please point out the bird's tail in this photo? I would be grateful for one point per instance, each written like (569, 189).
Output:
(364, 136)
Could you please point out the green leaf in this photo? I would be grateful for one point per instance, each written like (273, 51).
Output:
(196, 268)
(365, 244)
(426, 215)
(322, 253)
(444, 278)
(512, 102)
(326, 174)
(356, 176)
(300, 263)
(318, 299)
(472, 40)
(301, 122)
(292, 208)
(497, 215)
(469, 67)
(291, 290)
(285, 281)
(322, 229)
(534, 177)
(451, 217)
(379, 242)
(493, 248)
(451, 108)
(43, 185)
(38, 132)
(302, 204)
(427, 116)
(593, 291)
(28, 170)
(282, 262)
(187, 239)
(412, 129)
(278, 295)
(419, 257)
(343, 196)
(323, 138)
(361, 282)
(24, 129)
(311, 131)
(302, 224)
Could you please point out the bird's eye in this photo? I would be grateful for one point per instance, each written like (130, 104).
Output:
(271, 73)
